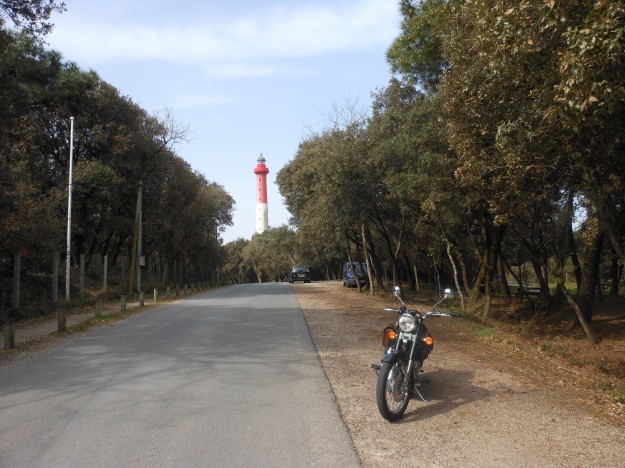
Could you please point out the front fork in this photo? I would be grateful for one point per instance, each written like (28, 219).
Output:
(413, 348)
(391, 356)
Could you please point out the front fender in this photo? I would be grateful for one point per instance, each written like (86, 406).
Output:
(390, 357)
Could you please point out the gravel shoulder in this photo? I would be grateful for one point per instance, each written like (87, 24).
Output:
(487, 406)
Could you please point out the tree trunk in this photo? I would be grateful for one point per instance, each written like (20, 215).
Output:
(572, 245)
(396, 278)
(590, 272)
(502, 280)
(416, 274)
(135, 245)
(482, 275)
(578, 312)
(393, 251)
(465, 278)
(375, 260)
(455, 270)
(537, 265)
(409, 270)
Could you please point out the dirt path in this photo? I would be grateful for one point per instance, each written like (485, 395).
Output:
(490, 404)
(482, 411)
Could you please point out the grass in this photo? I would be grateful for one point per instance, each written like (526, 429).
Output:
(485, 332)
(614, 391)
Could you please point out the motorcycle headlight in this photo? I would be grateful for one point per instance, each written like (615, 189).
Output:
(407, 323)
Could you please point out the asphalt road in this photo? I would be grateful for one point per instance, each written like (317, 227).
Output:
(228, 377)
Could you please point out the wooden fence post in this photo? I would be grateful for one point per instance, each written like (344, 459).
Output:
(82, 277)
(9, 330)
(61, 315)
(122, 306)
(55, 279)
(9, 318)
(155, 295)
(98, 307)
(17, 260)
(105, 262)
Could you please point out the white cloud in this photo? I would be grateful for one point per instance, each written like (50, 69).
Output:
(233, 70)
(279, 34)
(201, 101)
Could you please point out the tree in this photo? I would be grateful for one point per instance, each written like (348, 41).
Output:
(588, 102)
(235, 270)
(33, 15)
(327, 187)
(31, 144)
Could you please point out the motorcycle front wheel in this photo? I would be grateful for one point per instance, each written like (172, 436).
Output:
(390, 394)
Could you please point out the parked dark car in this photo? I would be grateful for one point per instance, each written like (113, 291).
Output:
(299, 273)
(360, 268)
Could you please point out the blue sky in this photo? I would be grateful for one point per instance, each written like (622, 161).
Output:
(247, 77)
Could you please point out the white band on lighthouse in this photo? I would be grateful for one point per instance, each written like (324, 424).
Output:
(262, 217)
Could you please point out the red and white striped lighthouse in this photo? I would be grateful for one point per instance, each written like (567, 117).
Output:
(262, 214)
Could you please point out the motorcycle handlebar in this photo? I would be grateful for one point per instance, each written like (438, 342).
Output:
(429, 314)
(441, 314)
(400, 310)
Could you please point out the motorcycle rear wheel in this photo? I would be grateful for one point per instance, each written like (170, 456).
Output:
(391, 398)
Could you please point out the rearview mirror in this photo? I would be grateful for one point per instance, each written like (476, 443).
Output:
(397, 293)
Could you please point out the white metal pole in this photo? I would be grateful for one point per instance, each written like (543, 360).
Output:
(140, 236)
(69, 210)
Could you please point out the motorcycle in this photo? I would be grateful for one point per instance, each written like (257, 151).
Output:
(408, 344)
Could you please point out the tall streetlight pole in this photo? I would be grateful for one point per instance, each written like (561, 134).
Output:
(69, 210)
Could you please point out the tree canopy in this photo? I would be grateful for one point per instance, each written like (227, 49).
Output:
(497, 146)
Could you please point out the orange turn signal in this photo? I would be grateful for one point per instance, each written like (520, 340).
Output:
(387, 335)
(429, 341)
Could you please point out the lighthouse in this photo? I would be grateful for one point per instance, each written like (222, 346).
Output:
(262, 215)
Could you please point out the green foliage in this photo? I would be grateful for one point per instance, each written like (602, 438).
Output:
(418, 51)
(533, 99)
(33, 15)
(117, 146)
(235, 269)
(326, 186)
(271, 254)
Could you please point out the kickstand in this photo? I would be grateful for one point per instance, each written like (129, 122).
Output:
(416, 387)
(419, 393)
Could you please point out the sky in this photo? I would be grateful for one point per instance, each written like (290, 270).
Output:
(246, 77)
